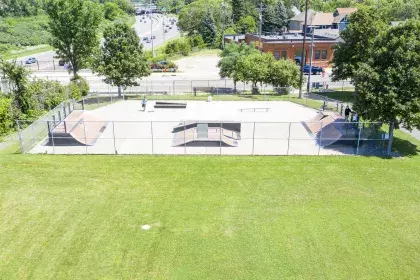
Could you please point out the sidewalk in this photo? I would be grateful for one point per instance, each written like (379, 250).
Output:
(415, 133)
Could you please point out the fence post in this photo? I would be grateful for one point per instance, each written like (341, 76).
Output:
(37, 63)
(151, 130)
(320, 139)
(97, 98)
(288, 139)
(20, 137)
(113, 136)
(173, 88)
(253, 140)
(52, 139)
(53, 64)
(83, 103)
(84, 128)
(358, 139)
(185, 141)
(220, 134)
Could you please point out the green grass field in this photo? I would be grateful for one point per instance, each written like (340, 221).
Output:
(79, 217)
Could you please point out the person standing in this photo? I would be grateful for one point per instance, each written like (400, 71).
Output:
(144, 103)
(347, 112)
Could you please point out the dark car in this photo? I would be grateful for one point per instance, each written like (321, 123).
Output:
(314, 71)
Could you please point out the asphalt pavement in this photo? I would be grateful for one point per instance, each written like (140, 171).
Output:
(143, 26)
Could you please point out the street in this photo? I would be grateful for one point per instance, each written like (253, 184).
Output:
(143, 27)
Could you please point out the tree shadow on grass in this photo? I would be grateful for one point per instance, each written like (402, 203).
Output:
(406, 147)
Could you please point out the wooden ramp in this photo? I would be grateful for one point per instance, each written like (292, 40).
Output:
(79, 128)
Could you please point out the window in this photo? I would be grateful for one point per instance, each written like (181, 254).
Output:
(284, 54)
(324, 54)
(317, 54)
(277, 55)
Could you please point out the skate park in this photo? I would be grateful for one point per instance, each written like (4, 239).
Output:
(200, 128)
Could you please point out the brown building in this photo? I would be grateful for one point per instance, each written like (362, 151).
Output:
(289, 46)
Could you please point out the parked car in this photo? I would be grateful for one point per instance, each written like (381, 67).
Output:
(148, 41)
(61, 62)
(145, 38)
(31, 60)
(315, 70)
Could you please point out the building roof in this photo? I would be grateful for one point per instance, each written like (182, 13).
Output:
(322, 19)
(328, 33)
(339, 18)
(301, 17)
(294, 37)
(346, 11)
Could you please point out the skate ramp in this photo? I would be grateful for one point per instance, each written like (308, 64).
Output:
(326, 128)
(79, 128)
(205, 134)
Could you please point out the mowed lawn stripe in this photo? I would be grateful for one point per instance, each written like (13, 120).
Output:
(80, 217)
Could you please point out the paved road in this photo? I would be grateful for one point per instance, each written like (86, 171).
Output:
(143, 27)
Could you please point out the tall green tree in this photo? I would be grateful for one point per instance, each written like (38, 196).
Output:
(74, 25)
(388, 84)
(255, 68)
(282, 74)
(358, 43)
(206, 17)
(238, 10)
(121, 59)
(228, 64)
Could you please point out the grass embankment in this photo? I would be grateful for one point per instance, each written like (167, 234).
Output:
(346, 96)
(24, 36)
(80, 217)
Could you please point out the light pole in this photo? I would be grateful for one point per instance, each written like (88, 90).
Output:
(302, 58)
(260, 26)
(151, 28)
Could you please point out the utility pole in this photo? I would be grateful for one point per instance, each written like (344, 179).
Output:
(260, 26)
(308, 88)
(223, 22)
(151, 28)
(302, 58)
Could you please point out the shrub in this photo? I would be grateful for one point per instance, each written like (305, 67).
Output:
(6, 115)
(78, 88)
(178, 46)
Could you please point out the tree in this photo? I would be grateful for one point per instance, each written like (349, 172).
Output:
(246, 25)
(275, 17)
(73, 25)
(255, 68)
(359, 38)
(121, 59)
(112, 11)
(17, 76)
(238, 10)
(283, 73)
(388, 84)
(230, 56)
(205, 17)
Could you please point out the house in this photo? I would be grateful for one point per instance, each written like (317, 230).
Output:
(289, 46)
(341, 17)
(296, 23)
(317, 20)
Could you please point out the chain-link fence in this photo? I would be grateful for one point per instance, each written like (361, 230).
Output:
(206, 138)
(30, 132)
